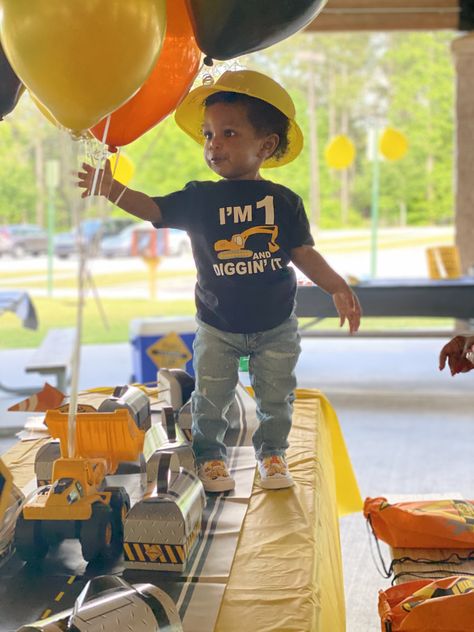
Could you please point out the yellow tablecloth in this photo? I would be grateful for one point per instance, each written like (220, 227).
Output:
(287, 571)
(20, 460)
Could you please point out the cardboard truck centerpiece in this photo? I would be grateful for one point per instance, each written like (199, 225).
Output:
(109, 604)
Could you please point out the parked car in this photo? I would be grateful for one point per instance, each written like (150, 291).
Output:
(178, 242)
(23, 239)
(91, 233)
(136, 238)
(4, 244)
(121, 245)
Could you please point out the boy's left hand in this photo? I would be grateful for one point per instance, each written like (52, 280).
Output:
(348, 307)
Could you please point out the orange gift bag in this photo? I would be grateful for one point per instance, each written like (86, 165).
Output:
(443, 605)
(424, 524)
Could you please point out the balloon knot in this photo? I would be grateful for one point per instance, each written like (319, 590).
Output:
(207, 79)
(208, 61)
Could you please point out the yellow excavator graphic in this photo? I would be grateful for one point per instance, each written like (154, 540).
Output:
(234, 248)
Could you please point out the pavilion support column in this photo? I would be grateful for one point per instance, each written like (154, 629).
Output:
(463, 51)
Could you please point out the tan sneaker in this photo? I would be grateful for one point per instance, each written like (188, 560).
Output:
(274, 472)
(215, 476)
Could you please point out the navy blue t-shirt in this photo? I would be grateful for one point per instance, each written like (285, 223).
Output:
(242, 232)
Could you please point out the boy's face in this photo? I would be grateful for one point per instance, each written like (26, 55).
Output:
(233, 149)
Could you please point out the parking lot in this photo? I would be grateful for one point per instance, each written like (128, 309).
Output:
(29, 273)
(401, 254)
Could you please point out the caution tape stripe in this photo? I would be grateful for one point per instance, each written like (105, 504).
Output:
(171, 555)
(138, 552)
(127, 551)
(154, 553)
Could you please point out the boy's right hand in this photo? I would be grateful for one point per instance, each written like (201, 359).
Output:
(104, 180)
(134, 202)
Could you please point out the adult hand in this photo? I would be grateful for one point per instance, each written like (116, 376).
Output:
(455, 353)
(348, 307)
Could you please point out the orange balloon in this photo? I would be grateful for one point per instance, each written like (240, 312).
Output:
(170, 80)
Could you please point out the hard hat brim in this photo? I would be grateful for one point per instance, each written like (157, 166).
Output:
(190, 117)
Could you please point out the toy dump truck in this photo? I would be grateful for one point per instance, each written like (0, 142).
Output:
(77, 504)
(128, 397)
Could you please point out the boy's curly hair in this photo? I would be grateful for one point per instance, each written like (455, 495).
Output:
(264, 117)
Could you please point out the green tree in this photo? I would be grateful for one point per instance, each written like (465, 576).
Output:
(420, 98)
(340, 82)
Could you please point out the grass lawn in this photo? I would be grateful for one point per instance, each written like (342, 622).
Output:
(61, 312)
(386, 324)
(37, 278)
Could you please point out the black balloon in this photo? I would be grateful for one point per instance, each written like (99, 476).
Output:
(228, 28)
(11, 88)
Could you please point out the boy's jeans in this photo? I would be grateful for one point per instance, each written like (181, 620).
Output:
(273, 356)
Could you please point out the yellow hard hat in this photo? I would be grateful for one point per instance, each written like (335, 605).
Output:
(190, 113)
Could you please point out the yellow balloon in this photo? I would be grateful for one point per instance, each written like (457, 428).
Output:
(58, 50)
(122, 167)
(44, 111)
(393, 144)
(340, 152)
(47, 114)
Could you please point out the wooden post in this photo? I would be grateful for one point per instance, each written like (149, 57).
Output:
(463, 51)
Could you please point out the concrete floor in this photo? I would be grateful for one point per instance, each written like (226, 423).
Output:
(408, 428)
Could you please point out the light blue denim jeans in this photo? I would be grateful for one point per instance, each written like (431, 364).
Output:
(273, 356)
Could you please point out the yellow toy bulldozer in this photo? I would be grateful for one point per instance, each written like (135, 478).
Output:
(77, 504)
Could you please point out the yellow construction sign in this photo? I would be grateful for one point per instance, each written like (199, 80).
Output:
(169, 352)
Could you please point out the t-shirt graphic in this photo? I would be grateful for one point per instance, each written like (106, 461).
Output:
(242, 233)
(235, 248)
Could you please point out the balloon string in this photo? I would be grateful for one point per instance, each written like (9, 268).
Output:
(104, 155)
(92, 285)
(116, 161)
(114, 171)
(208, 73)
(81, 277)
